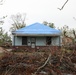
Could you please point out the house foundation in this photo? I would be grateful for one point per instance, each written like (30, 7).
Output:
(37, 48)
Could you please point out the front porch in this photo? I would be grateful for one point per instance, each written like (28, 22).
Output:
(36, 41)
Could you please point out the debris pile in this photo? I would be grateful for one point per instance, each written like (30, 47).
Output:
(37, 63)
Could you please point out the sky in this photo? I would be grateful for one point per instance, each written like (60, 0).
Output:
(39, 11)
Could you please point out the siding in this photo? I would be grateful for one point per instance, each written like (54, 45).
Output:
(12, 40)
(18, 41)
(40, 41)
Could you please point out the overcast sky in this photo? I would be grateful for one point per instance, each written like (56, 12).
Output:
(40, 10)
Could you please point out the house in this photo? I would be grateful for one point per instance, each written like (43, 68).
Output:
(36, 36)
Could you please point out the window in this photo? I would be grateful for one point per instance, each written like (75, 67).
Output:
(24, 40)
(48, 40)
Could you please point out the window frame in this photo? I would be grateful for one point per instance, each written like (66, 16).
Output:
(24, 42)
(48, 40)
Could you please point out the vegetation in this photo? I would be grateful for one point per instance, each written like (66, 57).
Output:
(18, 21)
(5, 39)
(49, 24)
(53, 62)
(1, 2)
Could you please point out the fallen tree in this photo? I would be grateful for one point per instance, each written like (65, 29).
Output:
(37, 63)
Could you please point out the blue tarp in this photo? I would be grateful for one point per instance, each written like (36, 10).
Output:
(36, 29)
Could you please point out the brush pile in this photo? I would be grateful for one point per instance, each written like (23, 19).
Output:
(39, 63)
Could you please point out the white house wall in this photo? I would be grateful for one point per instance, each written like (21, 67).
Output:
(18, 41)
(12, 40)
(40, 41)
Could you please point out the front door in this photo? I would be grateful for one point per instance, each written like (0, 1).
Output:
(33, 42)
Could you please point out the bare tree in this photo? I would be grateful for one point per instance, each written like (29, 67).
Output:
(18, 21)
(74, 18)
(2, 20)
(1, 2)
(74, 31)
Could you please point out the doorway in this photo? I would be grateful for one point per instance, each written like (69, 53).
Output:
(33, 42)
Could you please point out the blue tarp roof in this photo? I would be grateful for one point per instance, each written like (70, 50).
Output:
(37, 29)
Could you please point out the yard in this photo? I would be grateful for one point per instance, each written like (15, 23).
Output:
(52, 62)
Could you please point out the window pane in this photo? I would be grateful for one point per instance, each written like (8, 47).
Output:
(32, 39)
(24, 40)
(48, 40)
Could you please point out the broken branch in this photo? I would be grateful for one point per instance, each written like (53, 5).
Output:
(63, 5)
(43, 64)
